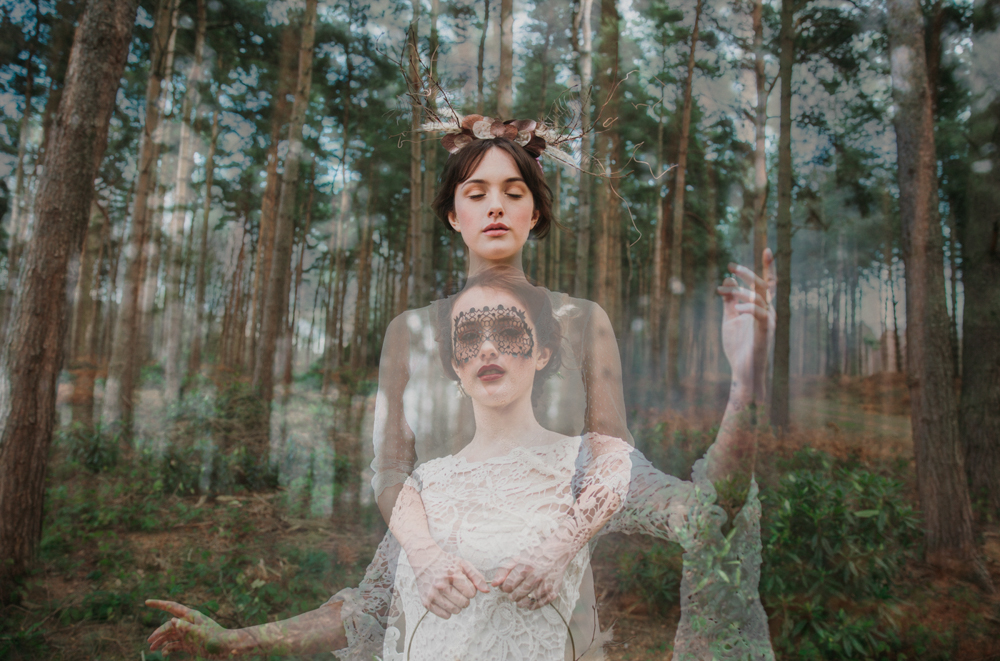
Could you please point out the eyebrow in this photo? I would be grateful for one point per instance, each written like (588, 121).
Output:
(483, 181)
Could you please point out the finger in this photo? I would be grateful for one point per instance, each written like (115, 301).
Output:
(527, 587)
(742, 293)
(443, 613)
(174, 608)
(751, 279)
(759, 313)
(456, 601)
(514, 579)
(476, 577)
(503, 572)
(463, 586)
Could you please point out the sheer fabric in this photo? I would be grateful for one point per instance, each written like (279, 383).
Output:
(419, 418)
(488, 512)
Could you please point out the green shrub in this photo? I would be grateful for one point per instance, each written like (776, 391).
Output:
(835, 535)
(94, 449)
(654, 575)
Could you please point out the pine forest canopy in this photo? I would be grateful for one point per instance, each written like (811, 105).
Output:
(262, 208)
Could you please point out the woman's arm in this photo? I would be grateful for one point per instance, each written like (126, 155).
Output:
(190, 631)
(747, 332)
(446, 582)
(392, 437)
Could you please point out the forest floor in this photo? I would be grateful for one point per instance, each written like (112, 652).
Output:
(115, 538)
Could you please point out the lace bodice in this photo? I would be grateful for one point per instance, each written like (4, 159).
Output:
(488, 512)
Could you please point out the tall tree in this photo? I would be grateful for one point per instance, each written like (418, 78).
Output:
(505, 78)
(32, 356)
(941, 479)
(272, 188)
(583, 45)
(677, 241)
(194, 359)
(117, 405)
(783, 229)
(173, 369)
(980, 405)
(276, 303)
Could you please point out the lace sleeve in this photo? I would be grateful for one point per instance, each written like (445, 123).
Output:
(393, 439)
(365, 608)
(721, 613)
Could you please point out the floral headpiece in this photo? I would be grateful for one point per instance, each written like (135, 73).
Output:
(536, 138)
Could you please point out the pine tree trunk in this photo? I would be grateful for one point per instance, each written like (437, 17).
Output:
(272, 188)
(941, 478)
(293, 344)
(276, 302)
(505, 78)
(584, 53)
(676, 285)
(194, 360)
(118, 389)
(364, 271)
(80, 357)
(174, 307)
(713, 319)
(412, 269)
(760, 195)
(32, 356)
(482, 57)
(783, 228)
(980, 404)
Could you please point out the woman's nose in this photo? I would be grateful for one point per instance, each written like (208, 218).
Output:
(496, 207)
(487, 349)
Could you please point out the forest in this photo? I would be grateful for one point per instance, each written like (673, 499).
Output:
(213, 209)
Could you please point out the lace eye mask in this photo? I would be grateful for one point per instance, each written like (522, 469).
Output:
(505, 327)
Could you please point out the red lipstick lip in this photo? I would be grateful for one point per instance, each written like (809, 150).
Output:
(490, 372)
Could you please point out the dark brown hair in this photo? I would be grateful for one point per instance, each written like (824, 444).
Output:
(460, 166)
(548, 334)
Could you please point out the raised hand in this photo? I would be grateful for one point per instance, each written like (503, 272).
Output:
(446, 583)
(191, 631)
(748, 323)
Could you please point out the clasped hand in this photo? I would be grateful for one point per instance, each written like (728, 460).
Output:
(447, 583)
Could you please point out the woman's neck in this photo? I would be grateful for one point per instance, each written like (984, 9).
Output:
(500, 429)
(477, 263)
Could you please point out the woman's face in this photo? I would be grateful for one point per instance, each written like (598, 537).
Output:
(494, 348)
(494, 209)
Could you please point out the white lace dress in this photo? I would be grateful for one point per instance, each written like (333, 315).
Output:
(488, 512)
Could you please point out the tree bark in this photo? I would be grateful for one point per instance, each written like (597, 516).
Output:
(32, 356)
(505, 78)
(586, 71)
(174, 305)
(290, 356)
(272, 188)
(117, 405)
(941, 479)
(980, 404)
(760, 192)
(81, 358)
(676, 284)
(276, 302)
(194, 360)
(783, 229)
(481, 57)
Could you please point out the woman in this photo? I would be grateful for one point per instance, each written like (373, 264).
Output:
(492, 193)
(516, 490)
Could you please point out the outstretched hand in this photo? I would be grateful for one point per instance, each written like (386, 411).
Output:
(748, 322)
(446, 582)
(191, 631)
